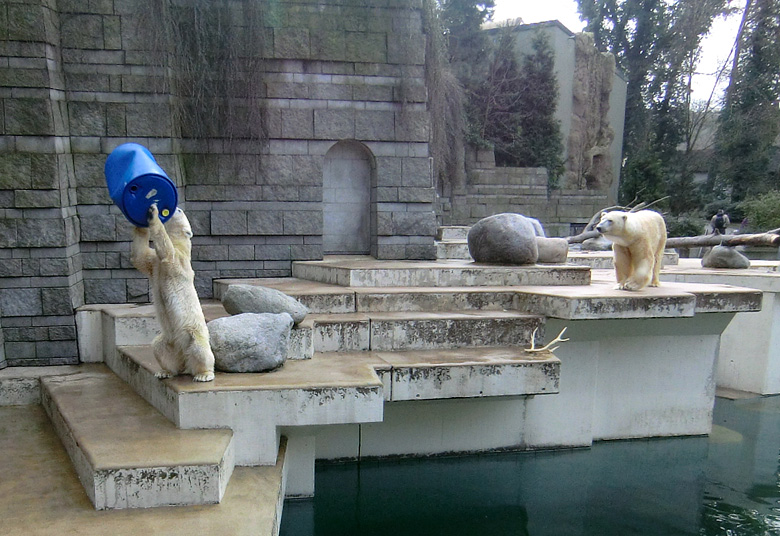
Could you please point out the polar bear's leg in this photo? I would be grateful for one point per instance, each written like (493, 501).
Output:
(642, 272)
(199, 358)
(166, 356)
(622, 263)
(655, 279)
(659, 260)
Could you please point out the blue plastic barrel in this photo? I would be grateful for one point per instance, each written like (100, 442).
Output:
(135, 182)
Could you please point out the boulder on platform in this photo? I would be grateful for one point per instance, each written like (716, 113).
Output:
(250, 342)
(255, 299)
(504, 239)
(725, 257)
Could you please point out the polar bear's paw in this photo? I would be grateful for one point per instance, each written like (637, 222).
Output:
(203, 377)
(632, 285)
(162, 375)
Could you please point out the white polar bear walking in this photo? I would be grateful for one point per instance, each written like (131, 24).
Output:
(638, 241)
(183, 346)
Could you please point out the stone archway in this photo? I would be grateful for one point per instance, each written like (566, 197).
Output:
(346, 199)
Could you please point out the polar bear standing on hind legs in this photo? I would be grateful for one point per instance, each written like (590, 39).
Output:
(638, 241)
(183, 346)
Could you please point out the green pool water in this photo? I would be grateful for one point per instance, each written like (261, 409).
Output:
(726, 484)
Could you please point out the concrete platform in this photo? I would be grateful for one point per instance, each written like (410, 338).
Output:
(339, 388)
(600, 301)
(42, 494)
(329, 298)
(602, 260)
(750, 346)
(254, 406)
(368, 272)
(127, 455)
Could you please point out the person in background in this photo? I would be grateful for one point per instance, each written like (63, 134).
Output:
(720, 222)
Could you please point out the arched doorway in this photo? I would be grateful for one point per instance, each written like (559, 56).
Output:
(346, 199)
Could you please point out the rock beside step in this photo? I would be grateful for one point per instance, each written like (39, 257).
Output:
(250, 342)
(126, 454)
(256, 299)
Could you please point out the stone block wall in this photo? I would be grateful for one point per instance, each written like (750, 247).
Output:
(492, 190)
(41, 279)
(77, 79)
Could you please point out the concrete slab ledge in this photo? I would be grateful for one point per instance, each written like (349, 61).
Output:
(42, 495)
(20, 386)
(126, 454)
(364, 272)
(410, 375)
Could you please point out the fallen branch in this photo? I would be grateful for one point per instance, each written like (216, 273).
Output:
(582, 237)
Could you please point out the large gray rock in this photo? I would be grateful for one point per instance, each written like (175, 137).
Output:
(552, 250)
(253, 299)
(250, 342)
(725, 257)
(538, 229)
(503, 239)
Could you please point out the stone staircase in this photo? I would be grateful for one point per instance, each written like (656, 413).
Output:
(452, 242)
(395, 358)
(377, 333)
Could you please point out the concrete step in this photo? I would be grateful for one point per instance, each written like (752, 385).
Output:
(361, 272)
(334, 388)
(603, 259)
(302, 393)
(329, 298)
(453, 249)
(453, 232)
(467, 373)
(447, 330)
(128, 455)
(42, 495)
(102, 327)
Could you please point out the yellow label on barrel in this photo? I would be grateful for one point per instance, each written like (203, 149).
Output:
(165, 212)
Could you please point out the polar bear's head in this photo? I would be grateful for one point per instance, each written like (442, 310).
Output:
(612, 223)
(178, 227)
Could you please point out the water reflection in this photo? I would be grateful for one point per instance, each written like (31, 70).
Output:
(723, 485)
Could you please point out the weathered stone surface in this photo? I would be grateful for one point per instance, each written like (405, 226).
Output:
(254, 299)
(552, 250)
(503, 239)
(725, 257)
(250, 342)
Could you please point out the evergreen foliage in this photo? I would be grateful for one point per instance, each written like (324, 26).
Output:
(656, 43)
(539, 141)
(513, 108)
(750, 120)
(763, 212)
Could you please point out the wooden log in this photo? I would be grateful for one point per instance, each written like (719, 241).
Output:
(760, 239)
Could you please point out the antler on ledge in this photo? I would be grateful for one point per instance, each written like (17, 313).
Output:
(546, 347)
